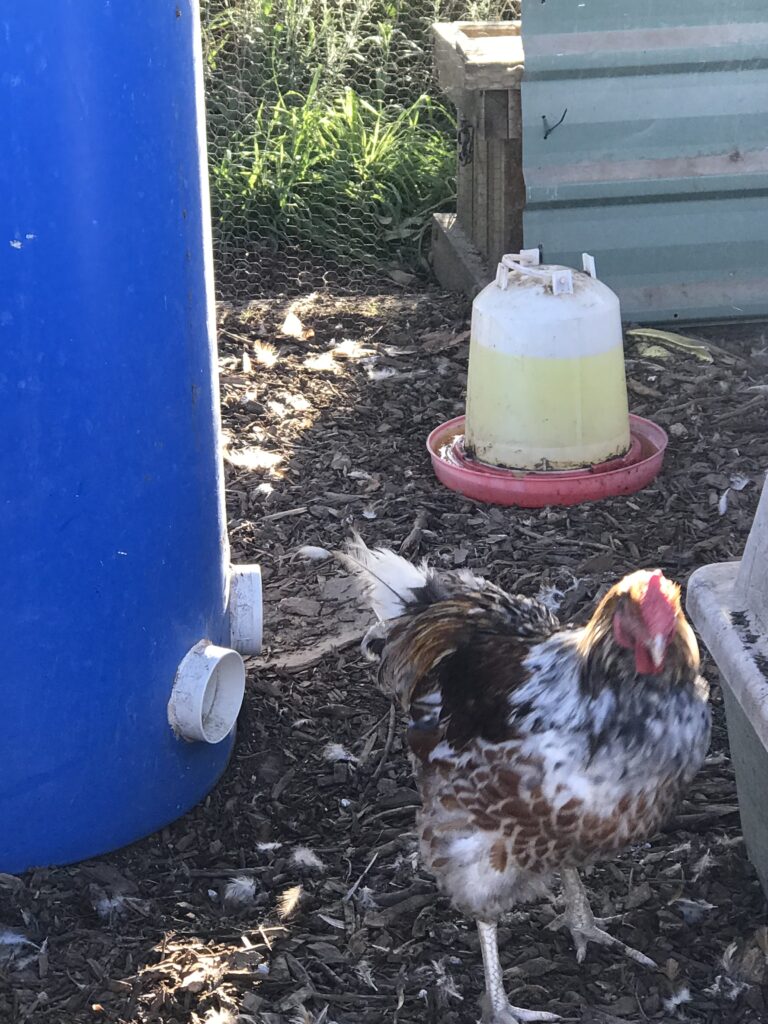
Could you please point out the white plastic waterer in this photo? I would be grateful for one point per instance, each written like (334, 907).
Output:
(546, 387)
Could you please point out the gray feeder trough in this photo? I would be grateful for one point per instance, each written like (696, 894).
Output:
(729, 605)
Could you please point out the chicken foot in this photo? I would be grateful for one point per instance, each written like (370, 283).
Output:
(498, 1009)
(584, 926)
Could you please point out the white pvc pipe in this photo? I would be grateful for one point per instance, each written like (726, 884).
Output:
(245, 608)
(207, 693)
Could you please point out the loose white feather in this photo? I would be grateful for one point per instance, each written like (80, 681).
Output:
(726, 988)
(364, 972)
(11, 938)
(288, 900)
(703, 865)
(110, 906)
(313, 553)
(240, 891)
(303, 857)
(337, 752)
(219, 1017)
(693, 911)
(445, 981)
(683, 995)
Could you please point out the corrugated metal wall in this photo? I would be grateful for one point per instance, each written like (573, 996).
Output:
(660, 165)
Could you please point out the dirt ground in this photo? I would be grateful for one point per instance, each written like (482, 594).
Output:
(326, 406)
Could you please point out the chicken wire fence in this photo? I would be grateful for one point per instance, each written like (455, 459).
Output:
(330, 145)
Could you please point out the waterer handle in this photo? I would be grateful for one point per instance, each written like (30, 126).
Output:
(525, 262)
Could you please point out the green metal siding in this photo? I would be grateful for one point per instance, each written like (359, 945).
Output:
(660, 165)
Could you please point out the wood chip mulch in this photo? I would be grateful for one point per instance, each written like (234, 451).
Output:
(326, 405)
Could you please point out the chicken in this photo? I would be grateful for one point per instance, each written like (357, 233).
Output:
(536, 749)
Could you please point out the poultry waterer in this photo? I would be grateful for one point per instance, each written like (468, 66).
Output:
(547, 420)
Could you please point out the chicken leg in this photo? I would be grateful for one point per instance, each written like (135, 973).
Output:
(583, 925)
(498, 1009)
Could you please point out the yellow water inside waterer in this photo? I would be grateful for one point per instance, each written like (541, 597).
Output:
(523, 411)
(546, 385)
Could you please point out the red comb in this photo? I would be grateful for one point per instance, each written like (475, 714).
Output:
(657, 604)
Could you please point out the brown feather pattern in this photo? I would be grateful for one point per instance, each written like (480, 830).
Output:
(537, 748)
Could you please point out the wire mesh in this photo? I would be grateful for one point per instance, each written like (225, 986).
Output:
(329, 143)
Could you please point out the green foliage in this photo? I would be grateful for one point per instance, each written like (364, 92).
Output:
(328, 142)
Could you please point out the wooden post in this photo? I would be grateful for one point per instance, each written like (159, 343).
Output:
(479, 67)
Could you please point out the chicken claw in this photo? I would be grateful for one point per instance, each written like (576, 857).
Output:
(583, 925)
(516, 1015)
(498, 1009)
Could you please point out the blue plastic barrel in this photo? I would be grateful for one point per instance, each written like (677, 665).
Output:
(112, 542)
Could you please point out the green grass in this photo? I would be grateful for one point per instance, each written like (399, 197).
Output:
(328, 142)
(344, 180)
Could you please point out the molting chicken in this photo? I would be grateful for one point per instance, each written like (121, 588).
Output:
(537, 749)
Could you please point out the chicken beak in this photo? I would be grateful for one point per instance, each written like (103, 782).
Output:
(658, 650)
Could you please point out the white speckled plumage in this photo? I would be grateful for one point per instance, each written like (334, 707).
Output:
(536, 749)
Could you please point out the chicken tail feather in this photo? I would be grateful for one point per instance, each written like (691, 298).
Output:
(391, 583)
